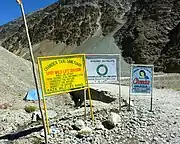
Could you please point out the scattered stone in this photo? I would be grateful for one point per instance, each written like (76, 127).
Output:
(99, 127)
(5, 106)
(155, 139)
(162, 135)
(74, 132)
(174, 122)
(112, 120)
(51, 114)
(141, 140)
(173, 135)
(79, 124)
(84, 132)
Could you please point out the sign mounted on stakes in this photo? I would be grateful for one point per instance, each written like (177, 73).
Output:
(61, 74)
(141, 81)
(104, 69)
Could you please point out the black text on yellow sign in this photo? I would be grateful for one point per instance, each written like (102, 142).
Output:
(60, 74)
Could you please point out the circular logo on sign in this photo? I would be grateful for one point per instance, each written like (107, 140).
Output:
(102, 70)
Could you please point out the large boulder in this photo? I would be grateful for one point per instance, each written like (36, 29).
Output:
(78, 96)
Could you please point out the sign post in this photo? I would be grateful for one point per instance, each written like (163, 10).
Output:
(141, 81)
(84, 104)
(33, 67)
(62, 74)
(152, 88)
(120, 100)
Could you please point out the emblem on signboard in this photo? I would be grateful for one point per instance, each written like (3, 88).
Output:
(102, 70)
(142, 75)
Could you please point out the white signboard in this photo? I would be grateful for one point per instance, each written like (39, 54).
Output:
(141, 79)
(102, 70)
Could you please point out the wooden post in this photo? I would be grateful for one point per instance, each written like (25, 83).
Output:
(33, 68)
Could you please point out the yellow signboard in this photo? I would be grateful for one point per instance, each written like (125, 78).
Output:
(60, 74)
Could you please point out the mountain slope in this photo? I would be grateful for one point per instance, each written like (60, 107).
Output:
(15, 77)
(149, 31)
(69, 24)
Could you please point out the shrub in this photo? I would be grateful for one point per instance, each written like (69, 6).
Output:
(30, 108)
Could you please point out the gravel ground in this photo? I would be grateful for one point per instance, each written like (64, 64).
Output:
(136, 126)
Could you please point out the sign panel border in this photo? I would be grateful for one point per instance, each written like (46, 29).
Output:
(40, 59)
(107, 56)
(152, 80)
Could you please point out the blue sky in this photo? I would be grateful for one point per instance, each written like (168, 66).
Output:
(10, 10)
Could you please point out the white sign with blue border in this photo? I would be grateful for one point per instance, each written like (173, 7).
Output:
(141, 79)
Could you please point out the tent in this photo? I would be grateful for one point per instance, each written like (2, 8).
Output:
(32, 95)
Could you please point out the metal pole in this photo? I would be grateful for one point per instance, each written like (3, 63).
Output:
(152, 88)
(85, 104)
(130, 84)
(89, 92)
(119, 83)
(34, 71)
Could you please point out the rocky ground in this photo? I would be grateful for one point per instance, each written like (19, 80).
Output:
(67, 122)
(135, 126)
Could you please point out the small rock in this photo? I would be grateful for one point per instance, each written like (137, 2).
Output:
(141, 140)
(84, 131)
(113, 119)
(79, 124)
(74, 132)
(174, 122)
(162, 135)
(37, 135)
(42, 134)
(127, 102)
(129, 136)
(168, 140)
(155, 139)
(51, 114)
(99, 127)
(173, 135)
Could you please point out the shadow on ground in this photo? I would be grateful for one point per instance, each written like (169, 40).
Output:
(22, 133)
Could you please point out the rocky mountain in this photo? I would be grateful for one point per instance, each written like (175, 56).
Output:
(151, 34)
(147, 31)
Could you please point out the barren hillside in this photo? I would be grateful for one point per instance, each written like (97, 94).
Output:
(149, 31)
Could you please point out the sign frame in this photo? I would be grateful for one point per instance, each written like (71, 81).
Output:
(141, 94)
(106, 56)
(131, 76)
(60, 57)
